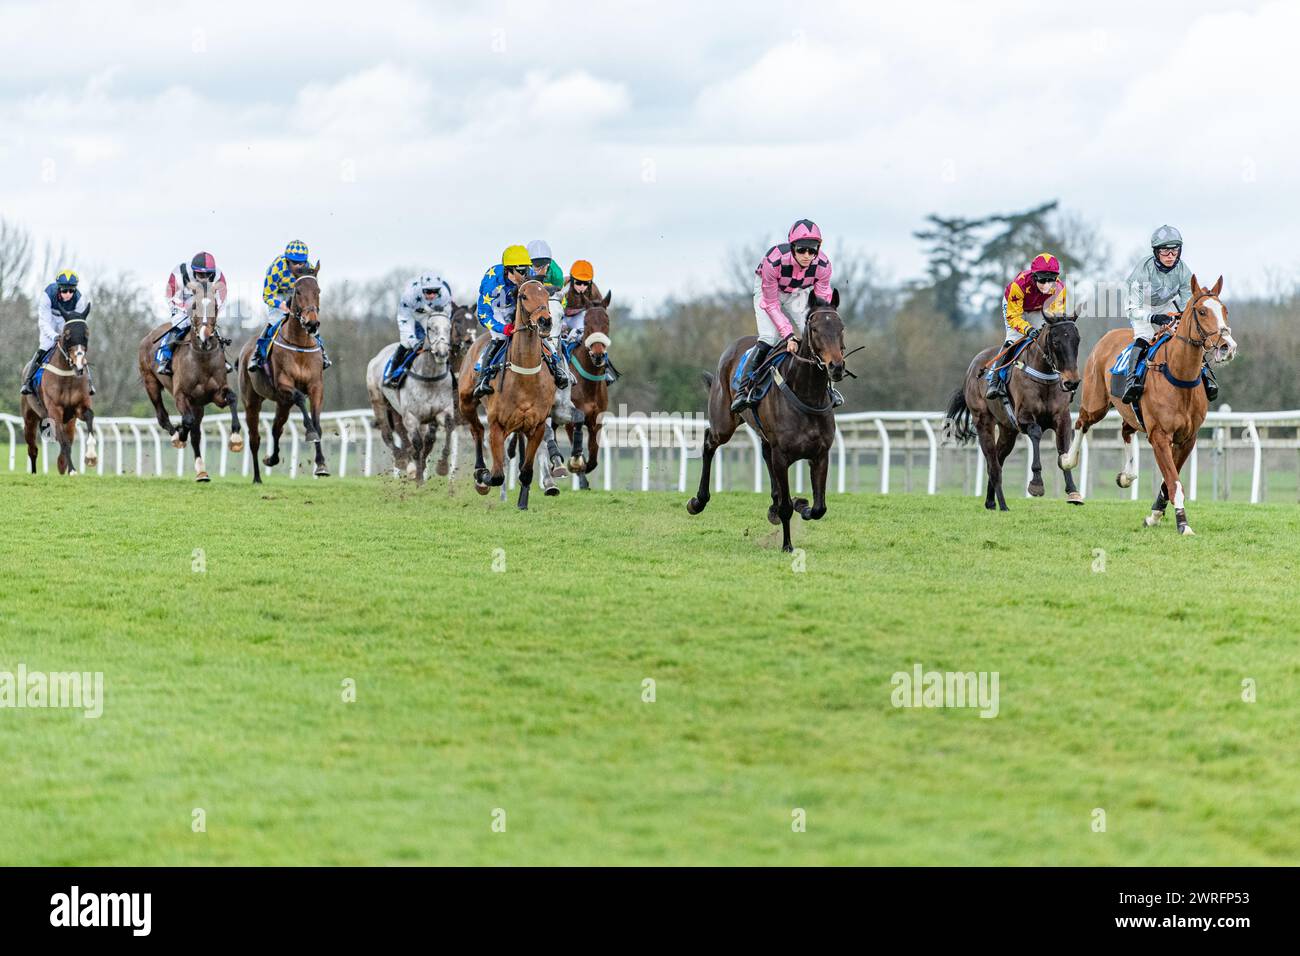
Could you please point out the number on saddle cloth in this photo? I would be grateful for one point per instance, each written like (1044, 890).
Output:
(1124, 361)
(765, 385)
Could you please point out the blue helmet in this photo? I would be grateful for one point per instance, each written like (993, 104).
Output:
(66, 279)
(296, 251)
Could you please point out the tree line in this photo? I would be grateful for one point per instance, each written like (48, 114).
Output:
(917, 335)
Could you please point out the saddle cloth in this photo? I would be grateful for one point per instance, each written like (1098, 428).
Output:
(762, 387)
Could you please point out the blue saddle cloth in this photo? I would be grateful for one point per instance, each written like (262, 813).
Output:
(264, 340)
(1124, 360)
(410, 356)
(40, 368)
(1009, 360)
(741, 367)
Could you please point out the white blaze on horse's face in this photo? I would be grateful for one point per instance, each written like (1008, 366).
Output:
(79, 358)
(1227, 351)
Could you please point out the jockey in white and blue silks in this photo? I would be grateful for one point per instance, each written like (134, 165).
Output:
(1159, 288)
(60, 301)
(425, 295)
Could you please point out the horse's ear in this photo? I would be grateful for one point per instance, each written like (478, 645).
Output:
(1196, 288)
(1218, 287)
(835, 298)
(314, 270)
(608, 295)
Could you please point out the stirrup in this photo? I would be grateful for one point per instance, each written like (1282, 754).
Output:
(1133, 394)
(741, 401)
(836, 398)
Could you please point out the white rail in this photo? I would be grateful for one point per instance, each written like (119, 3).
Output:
(883, 440)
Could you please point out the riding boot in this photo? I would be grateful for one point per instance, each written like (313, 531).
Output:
(324, 356)
(163, 366)
(1136, 380)
(836, 398)
(259, 350)
(394, 376)
(487, 368)
(1210, 382)
(557, 369)
(744, 392)
(997, 386)
(29, 383)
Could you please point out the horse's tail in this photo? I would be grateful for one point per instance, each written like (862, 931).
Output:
(956, 423)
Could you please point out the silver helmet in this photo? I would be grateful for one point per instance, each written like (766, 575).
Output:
(1166, 236)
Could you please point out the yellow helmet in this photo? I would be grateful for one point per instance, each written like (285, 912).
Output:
(516, 256)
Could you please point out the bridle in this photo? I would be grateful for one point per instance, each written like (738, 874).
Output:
(1203, 342)
(298, 312)
(815, 353)
(64, 352)
(1053, 370)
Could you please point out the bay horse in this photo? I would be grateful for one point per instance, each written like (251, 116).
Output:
(62, 398)
(794, 419)
(424, 401)
(1041, 384)
(1173, 404)
(521, 402)
(291, 375)
(198, 376)
(590, 392)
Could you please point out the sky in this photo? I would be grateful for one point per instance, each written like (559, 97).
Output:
(652, 138)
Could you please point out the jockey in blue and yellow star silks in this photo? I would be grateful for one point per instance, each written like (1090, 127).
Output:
(495, 310)
(277, 293)
(1037, 288)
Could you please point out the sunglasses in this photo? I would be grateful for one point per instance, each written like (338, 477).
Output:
(1045, 277)
(1167, 248)
(806, 250)
(580, 282)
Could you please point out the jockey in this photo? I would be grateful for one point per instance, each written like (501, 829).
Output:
(1037, 288)
(543, 263)
(1159, 289)
(579, 291)
(277, 292)
(497, 295)
(203, 268)
(426, 294)
(60, 301)
(785, 277)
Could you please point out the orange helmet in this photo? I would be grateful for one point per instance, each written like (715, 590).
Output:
(582, 271)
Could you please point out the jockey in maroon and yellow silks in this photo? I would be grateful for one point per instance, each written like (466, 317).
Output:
(1024, 294)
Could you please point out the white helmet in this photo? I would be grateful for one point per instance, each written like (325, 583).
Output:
(538, 249)
(1166, 236)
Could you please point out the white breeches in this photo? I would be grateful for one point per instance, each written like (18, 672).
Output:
(794, 305)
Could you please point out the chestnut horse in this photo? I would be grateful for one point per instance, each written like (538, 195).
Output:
(291, 375)
(523, 398)
(1173, 404)
(62, 398)
(590, 392)
(1041, 384)
(794, 419)
(198, 377)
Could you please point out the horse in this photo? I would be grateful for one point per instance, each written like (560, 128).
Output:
(1041, 385)
(198, 377)
(794, 419)
(522, 400)
(291, 375)
(424, 401)
(1173, 404)
(62, 397)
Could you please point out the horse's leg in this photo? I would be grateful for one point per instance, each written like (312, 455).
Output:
(153, 388)
(555, 459)
(227, 398)
(66, 428)
(497, 439)
(448, 425)
(92, 443)
(773, 510)
(526, 463)
(317, 398)
(1162, 447)
(985, 430)
(196, 439)
(1006, 444)
(277, 427)
(593, 439)
(186, 410)
(31, 428)
(481, 473)
(1061, 429)
(418, 453)
(1094, 403)
(1181, 454)
(1035, 432)
(577, 464)
(252, 411)
(711, 445)
(781, 479)
(1129, 471)
(819, 467)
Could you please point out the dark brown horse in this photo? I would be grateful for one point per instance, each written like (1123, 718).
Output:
(291, 375)
(794, 419)
(63, 397)
(522, 402)
(1173, 403)
(1041, 384)
(589, 393)
(198, 377)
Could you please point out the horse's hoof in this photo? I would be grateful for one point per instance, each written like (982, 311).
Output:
(990, 505)
(693, 507)
(1153, 519)
(321, 472)
(557, 468)
(1187, 529)
(91, 461)
(1036, 489)
(1123, 479)
(552, 491)
(410, 469)
(788, 548)
(772, 516)
(1074, 498)
(236, 443)
(481, 489)
(177, 441)
(577, 464)
(442, 468)
(203, 476)
(496, 481)
(270, 461)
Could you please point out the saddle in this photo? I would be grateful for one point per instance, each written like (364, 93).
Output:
(762, 376)
(1124, 366)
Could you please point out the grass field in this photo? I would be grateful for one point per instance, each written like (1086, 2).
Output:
(226, 619)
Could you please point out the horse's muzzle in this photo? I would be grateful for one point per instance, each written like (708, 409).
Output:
(1070, 384)
(312, 327)
(837, 371)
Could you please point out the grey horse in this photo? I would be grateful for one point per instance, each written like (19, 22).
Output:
(424, 400)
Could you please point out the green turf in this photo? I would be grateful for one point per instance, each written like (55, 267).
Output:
(522, 690)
